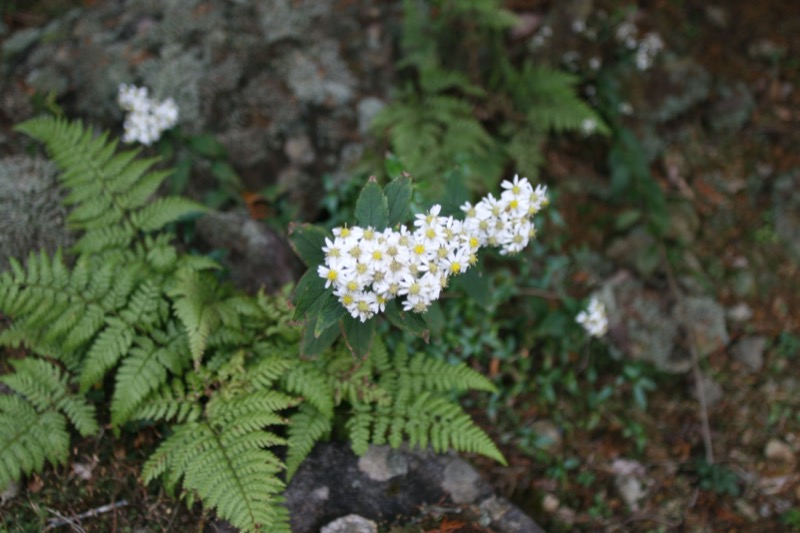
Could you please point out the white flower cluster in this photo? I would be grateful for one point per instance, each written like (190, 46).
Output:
(594, 319)
(147, 119)
(368, 268)
(645, 50)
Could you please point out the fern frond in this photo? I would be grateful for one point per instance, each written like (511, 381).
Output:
(224, 459)
(436, 375)
(306, 427)
(178, 401)
(144, 371)
(33, 420)
(312, 384)
(201, 304)
(113, 342)
(551, 101)
(28, 438)
(109, 193)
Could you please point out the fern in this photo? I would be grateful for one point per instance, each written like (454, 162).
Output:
(109, 193)
(467, 104)
(33, 420)
(391, 400)
(159, 334)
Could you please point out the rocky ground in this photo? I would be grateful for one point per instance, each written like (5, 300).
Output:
(289, 89)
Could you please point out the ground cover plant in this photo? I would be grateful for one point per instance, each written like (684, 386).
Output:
(680, 212)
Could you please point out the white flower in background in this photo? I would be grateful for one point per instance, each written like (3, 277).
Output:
(368, 268)
(588, 126)
(147, 119)
(594, 319)
(649, 47)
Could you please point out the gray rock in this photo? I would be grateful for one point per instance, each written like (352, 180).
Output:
(637, 250)
(706, 318)
(786, 202)
(740, 312)
(382, 463)
(681, 83)
(750, 352)
(32, 215)
(461, 482)
(251, 244)
(299, 150)
(429, 479)
(350, 524)
(712, 391)
(641, 325)
(368, 108)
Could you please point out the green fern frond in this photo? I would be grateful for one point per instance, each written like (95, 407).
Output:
(436, 375)
(224, 460)
(33, 420)
(113, 342)
(411, 403)
(178, 401)
(55, 312)
(201, 304)
(312, 384)
(551, 100)
(28, 438)
(306, 427)
(144, 371)
(109, 193)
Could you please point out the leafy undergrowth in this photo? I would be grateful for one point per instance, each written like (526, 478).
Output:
(567, 474)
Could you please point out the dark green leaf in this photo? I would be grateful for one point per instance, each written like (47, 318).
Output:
(398, 195)
(394, 168)
(358, 335)
(455, 193)
(476, 285)
(307, 242)
(413, 323)
(309, 295)
(225, 173)
(332, 311)
(372, 207)
(311, 345)
(627, 218)
(207, 146)
(180, 177)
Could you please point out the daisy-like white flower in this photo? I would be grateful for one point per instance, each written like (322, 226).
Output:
(367, 268)
(594, 319)
(146, 119)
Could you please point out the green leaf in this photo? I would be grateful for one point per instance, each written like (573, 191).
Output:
(207, 146)
(307, 242)
(311, 345)
(224, 172)
(398, 195)
(332, 311)
(413, 323)
(358, 336)
(476, 285)
(180, 178)
(372, 207)
(393, 167)
(455, 193)
(627, 219)
(309, 295)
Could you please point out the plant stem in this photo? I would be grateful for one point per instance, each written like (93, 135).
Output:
(698, 378)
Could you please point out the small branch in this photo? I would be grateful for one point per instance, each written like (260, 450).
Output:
(539, 293)
(73, 520)
(698, 378)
